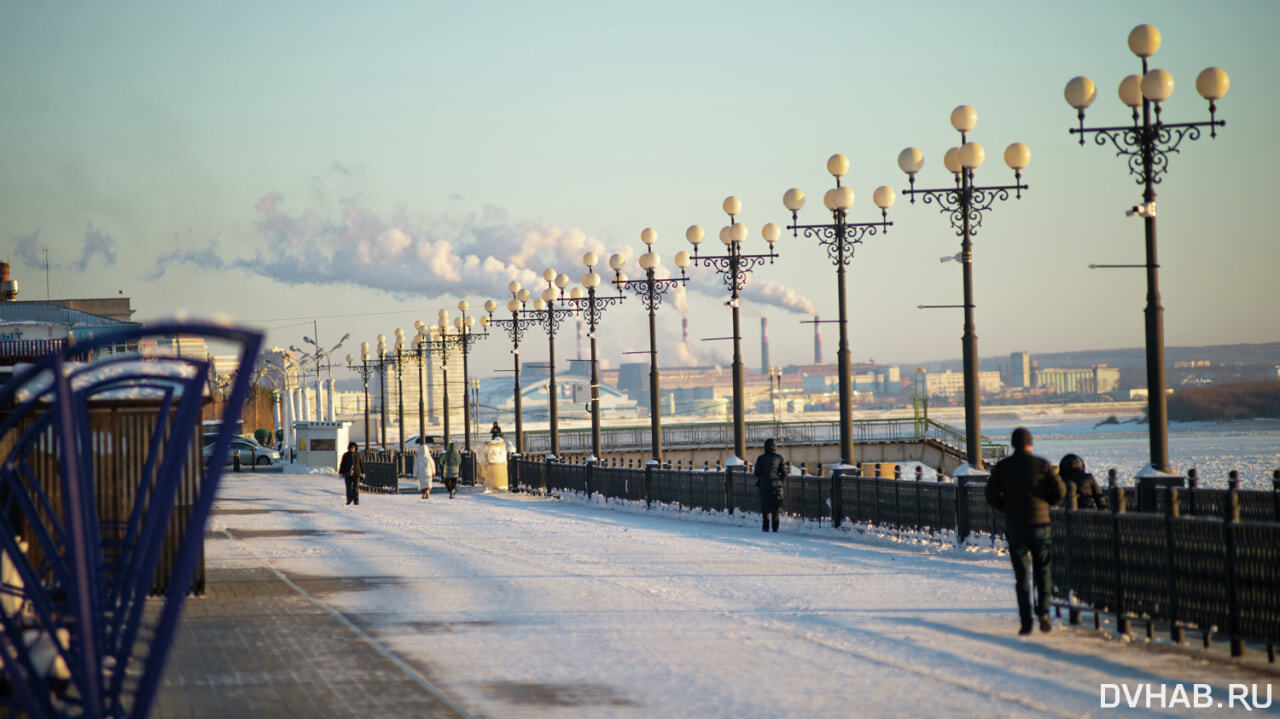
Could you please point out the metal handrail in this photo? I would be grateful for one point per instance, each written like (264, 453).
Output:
(720, 434)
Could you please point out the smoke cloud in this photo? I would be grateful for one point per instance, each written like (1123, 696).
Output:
(27, 249)
(456, 254)
(94, 243)
(757, 293)
(209, 257)
(451, 255)
(776, 294)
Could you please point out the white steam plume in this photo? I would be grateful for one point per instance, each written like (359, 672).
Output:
(775, 293)
(456, 256)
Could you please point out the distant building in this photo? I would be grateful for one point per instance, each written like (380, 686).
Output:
(1019, 370)
(951, 384)
(30, 329)
(1099, 379)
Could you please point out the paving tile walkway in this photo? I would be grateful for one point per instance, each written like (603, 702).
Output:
(257, 645)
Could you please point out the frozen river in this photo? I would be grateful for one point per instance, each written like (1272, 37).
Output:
(1213, 448)
(518, 606)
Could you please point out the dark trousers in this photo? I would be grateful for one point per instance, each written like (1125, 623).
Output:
(353, 489)
(1029, 549)
(769, 510)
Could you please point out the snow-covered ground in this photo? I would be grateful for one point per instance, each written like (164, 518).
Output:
(518, 606)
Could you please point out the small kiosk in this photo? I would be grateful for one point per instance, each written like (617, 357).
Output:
(321, 444)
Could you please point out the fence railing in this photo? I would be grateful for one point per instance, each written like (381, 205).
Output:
(383, 469)
(1185, 559)
(575, 441)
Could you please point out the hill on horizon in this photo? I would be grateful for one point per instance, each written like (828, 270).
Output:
(1242, 353)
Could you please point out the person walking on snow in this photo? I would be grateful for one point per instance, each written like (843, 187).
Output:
(352, 470)
(770, 471)
(1023, 487)
(451, 464)
(424, 468)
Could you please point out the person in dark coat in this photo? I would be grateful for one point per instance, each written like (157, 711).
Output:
(352, 470)
(1088, 494)
(771, 469)
(1023, 487)
(450, 464)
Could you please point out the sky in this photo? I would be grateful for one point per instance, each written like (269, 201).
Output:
(363, 166)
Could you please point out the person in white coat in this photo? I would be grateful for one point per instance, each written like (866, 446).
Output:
(424, 468)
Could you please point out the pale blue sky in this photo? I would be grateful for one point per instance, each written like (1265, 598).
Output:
(164, 126)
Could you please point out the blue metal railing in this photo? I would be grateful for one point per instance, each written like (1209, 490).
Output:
(96, 517)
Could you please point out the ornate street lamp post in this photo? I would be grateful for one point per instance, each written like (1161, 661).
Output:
(964, 204)
(544, 308)
(840, 238)
(593, 307)
(1146, 144)
(400, 355)
(382, 387)
(464, 339)
(438, 341)
(650, 291)
(734, 268)
(422, 355)
(514, 326)
(364, 370)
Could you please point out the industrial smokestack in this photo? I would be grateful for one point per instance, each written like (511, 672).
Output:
(817, 340)
(684, 329)
(8, 287)
(764, 345)
(580, 352)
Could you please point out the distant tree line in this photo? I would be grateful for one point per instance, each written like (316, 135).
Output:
(1242, 400)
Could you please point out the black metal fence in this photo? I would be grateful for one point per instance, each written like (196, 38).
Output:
(381, 471)
(383, 468)
(1202, 558)
(1210, 573)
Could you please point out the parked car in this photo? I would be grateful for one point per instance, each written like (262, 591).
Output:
(434, 442)
(251, 453)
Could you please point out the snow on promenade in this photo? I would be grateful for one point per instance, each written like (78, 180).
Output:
(517, 606)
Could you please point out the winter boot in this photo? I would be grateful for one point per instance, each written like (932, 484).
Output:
(775, 521)
(765, 525)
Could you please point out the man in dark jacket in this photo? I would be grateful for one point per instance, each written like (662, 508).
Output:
(1088, 494)
(1024, 486)
(352, 470)
(770, 471)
